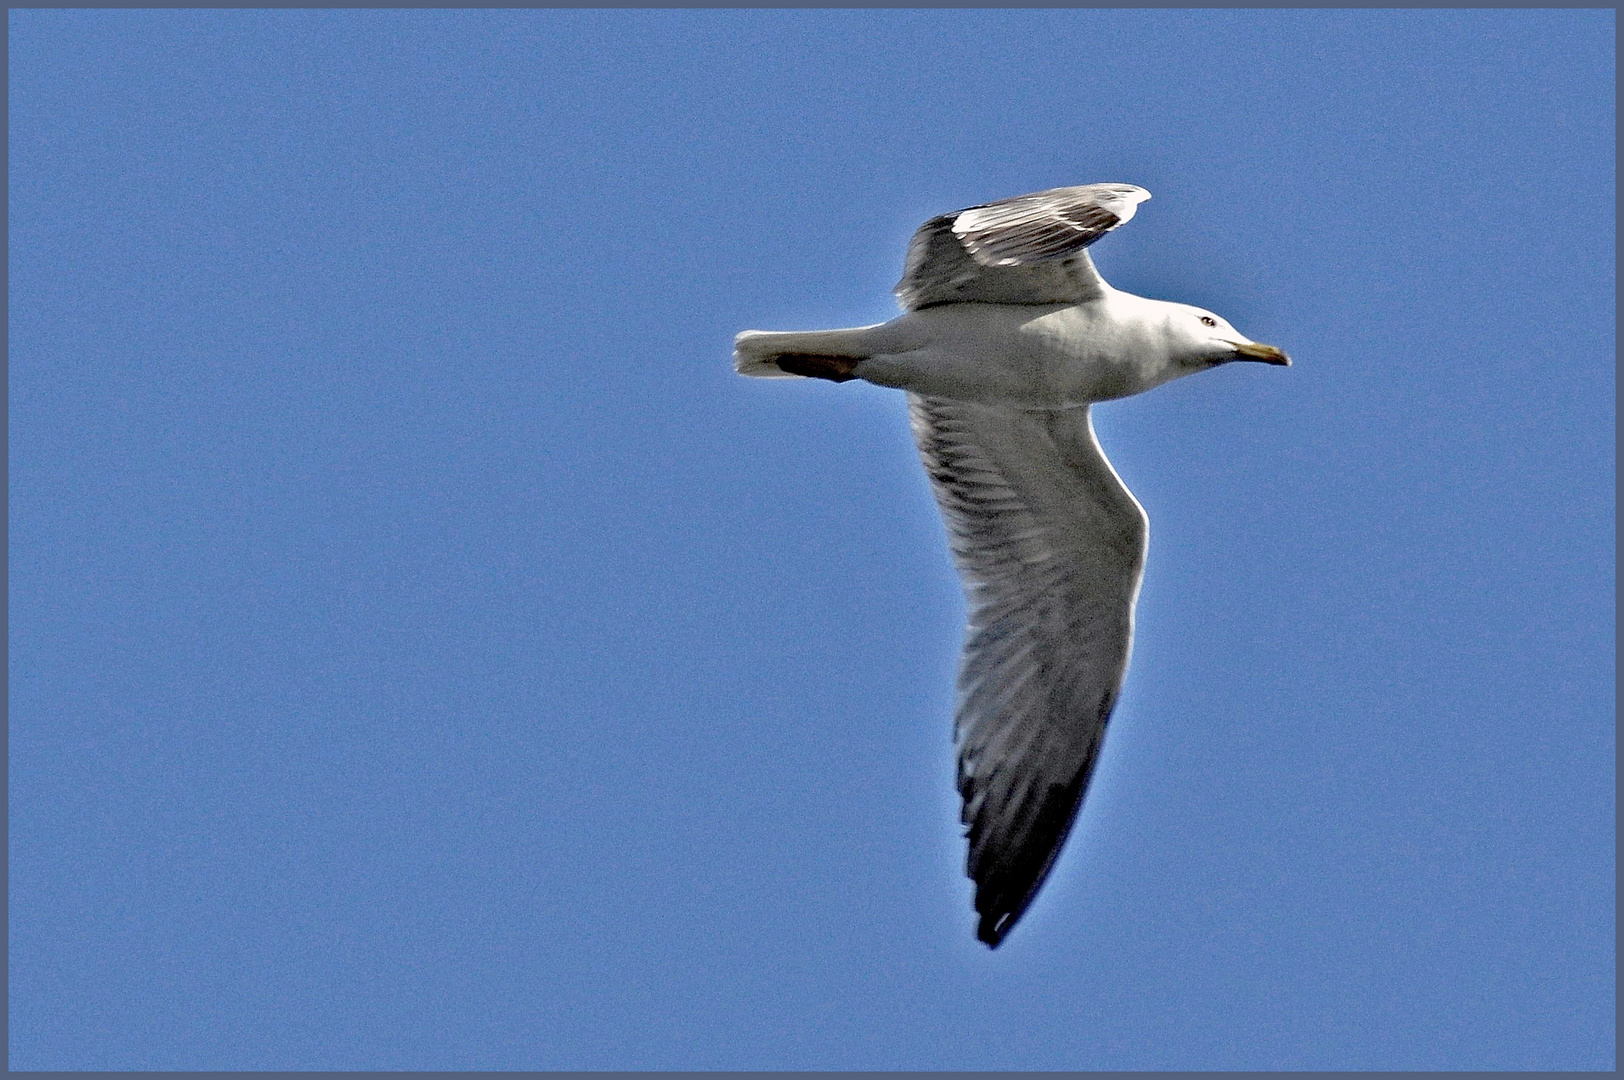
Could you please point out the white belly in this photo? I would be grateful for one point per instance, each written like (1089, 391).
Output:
(1042, 357)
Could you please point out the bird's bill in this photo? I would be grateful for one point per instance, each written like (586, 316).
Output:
(1256, 350)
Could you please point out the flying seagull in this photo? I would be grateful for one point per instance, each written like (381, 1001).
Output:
(1008, 334)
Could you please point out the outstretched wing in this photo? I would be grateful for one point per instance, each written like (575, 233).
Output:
(1025, 250)
(1051, 547)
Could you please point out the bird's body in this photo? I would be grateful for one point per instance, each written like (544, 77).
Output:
(1009, 334)
(1051, 356)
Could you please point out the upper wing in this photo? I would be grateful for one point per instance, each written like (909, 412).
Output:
(1051, 547)
(1025, 250)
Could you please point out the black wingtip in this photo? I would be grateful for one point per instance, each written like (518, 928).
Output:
(993, 928)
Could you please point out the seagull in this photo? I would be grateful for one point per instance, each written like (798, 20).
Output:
(1008, 335)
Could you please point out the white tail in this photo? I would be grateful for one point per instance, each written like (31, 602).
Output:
(754, 350)
(753, 353)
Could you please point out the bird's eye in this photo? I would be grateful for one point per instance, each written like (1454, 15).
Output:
(1208, 320)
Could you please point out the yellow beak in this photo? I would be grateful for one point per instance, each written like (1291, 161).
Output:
(1256, 350)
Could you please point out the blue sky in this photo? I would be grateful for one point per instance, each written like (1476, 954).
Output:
(425, 652)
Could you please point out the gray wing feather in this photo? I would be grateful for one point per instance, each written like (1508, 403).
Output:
(1051, 547)
(1025, 250)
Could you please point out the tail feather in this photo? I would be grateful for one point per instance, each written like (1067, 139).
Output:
(755, 351)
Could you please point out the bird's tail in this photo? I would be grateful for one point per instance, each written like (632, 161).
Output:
(756, 352)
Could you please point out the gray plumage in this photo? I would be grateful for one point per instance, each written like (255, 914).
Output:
(1026, 250)
(1051, 560)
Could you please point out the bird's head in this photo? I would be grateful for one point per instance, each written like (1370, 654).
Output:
(1198, 339)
